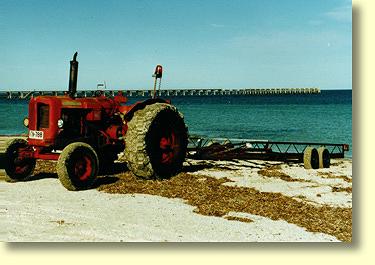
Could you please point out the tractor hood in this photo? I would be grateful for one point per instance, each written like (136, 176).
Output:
(45, 112)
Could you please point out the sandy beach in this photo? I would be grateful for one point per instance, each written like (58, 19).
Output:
(218, 201)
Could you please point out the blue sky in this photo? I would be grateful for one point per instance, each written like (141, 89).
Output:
(207, 43)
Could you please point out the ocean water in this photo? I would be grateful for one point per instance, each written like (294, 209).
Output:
(324, 117)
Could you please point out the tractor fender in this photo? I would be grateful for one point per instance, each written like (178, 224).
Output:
(141, 105)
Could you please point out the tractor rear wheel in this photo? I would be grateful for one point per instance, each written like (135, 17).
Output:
(17, 167)
(77, 166)
(156, 142)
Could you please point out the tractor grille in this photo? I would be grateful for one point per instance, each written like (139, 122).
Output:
(43, 116)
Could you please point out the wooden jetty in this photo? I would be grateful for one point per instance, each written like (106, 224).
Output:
(14, 94)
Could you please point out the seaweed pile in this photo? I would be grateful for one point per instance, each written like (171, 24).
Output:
(212, 198)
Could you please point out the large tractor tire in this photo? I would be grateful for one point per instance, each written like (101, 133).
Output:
(156, 142)
(311, 158)
(324, 157)
(17, 168)
(78, 166)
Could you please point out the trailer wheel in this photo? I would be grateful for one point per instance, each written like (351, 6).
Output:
(324, 157)
(77, 166)
(311, 158)
(16, 167)
(156, 142)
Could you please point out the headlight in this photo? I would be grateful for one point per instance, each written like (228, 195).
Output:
(26, 122)
(60, 123)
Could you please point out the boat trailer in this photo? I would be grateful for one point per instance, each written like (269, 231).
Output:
(228, 149)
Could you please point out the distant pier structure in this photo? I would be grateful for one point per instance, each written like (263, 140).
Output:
(14, 94)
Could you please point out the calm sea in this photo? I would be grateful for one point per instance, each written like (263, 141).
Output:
(325, 117)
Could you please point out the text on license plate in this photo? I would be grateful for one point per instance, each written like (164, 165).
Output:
(35, 134)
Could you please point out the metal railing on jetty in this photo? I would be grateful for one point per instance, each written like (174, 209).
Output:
(14, 94)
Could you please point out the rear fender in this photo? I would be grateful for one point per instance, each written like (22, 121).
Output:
(141, 105)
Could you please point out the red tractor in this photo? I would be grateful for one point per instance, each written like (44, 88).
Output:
(87, 134)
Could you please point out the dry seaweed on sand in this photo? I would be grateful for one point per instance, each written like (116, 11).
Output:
(329, 175)
(275, 172)
(341, 189)
(236, 218)
(45, 166)
(212, 198)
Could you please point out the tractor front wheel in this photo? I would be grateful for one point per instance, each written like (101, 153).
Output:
(77, 166)
(17, 167)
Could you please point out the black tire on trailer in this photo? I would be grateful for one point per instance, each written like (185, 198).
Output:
(311, 158)
(324, 157)
(156, 142)
(16, 167)
(77, 166)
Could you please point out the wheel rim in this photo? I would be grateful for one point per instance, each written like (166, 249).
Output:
(169, 147)
(19, 170)
(20, 166)
(83, 168)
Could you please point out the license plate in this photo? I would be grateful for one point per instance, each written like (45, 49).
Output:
(36, 135)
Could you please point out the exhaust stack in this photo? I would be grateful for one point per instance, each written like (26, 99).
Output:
(73, 77)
